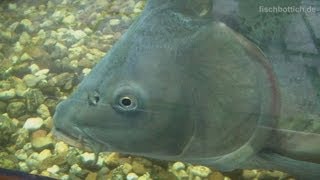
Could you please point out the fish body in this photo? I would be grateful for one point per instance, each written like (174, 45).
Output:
(186, 83)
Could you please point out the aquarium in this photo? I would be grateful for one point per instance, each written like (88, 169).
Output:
(160, 89)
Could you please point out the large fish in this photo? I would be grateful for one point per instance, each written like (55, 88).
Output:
(188, 82)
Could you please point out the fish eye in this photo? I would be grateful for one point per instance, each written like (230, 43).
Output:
(128, 102)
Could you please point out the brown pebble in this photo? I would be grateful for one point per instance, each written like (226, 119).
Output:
(91, 176)
(138, 168)
(39, 133)
(112, 160)
(216, 176)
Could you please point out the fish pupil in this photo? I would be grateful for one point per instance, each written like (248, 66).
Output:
(126, 101)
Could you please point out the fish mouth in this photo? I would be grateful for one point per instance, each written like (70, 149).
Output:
(81, 142)
(79, 138)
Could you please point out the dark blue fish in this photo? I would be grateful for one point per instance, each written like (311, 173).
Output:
(220, 83)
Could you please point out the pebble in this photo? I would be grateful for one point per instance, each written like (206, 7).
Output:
(16, 109)
(114, 22)
(272, 175)
(39, 133)
(25, 38)
(78, 34)
(32, 124)
(21, 154)
(34, 155)
(58, 15)
(86, 71)
(44, 154)
(60, 50)
(42, 72)
(18, 47)
(145, 177)
(27, 24)
(20, 87)
(23, 166)
(200, 171)
(45, 173)
(177, 166)
(138, 168)
(69, 19)
(12, 6)
(31, 80)
(27, 147)
(249, 174)
(216, 176)
(46, 23)
(75, 169)
(65, 177)
(25, 57)
(182, 174)
(92, 176)
(126, 168)
(53, 169)
(34, 68)
(6, 35)
(132, 176)
(87, 158)
(33, 164)
(61, 147)
(43, 111)
(41, 143)
(112, 160)
(8, 94)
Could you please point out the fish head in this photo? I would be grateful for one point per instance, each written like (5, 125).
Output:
(132, 103)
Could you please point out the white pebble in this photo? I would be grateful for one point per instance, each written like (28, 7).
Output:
(23, 166)
(42, 72)
(132, 176)
(177, 166)
(65, 177)
(78, 34)
(53, 169)
(201, 171)
(87, 157)
(86, 71)
(8, 94)
(18, 47)
(25, 57)
(32, 124)
(75, 169)
(34, 68)
(21, 154)
(114, 22)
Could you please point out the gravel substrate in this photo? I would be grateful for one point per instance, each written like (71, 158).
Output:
(46, 48)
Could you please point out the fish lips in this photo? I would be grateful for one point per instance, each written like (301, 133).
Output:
(65, 130)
